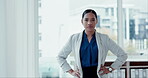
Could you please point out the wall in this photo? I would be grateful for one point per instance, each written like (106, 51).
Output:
(19, 38)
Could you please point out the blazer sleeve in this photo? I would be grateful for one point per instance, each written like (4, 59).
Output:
(118, 51)
(63, 54)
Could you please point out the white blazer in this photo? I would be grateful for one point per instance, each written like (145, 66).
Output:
(105, 44)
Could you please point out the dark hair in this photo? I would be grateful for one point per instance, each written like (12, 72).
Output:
(88, 11)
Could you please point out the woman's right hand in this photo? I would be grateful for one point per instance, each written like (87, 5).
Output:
(74, 73)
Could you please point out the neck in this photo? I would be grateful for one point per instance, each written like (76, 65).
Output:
(89, 33)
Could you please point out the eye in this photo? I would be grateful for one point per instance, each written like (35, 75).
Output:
(92, 19)
(85, 19)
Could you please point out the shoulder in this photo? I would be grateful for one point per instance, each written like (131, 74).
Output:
(76, 35)
(102, 36)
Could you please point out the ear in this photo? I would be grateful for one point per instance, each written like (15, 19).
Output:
(82, 21)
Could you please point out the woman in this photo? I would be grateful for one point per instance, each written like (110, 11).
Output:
(90, 50)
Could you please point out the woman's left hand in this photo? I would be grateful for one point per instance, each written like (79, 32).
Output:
(103, 70)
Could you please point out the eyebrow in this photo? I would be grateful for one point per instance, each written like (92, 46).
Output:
(91, 18)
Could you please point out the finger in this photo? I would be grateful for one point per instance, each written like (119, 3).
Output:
(101, 65)
(100, 70)
(102, 73)
(77, 70)
(78, 73)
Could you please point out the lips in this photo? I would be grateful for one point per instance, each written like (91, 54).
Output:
(90, 27)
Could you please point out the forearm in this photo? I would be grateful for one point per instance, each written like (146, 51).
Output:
(119, 61)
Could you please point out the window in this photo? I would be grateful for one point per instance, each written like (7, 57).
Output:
(135, 19)
(106, 11)
(112, 11)
(58, 24)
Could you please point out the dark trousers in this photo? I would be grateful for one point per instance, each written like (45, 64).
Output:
(90, 72)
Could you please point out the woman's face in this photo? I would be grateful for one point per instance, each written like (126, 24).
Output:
(89, 22)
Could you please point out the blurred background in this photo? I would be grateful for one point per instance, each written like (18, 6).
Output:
(32, 32)
(60, 19)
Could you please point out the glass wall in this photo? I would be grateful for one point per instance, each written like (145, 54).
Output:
(135, 21)
(59, 19)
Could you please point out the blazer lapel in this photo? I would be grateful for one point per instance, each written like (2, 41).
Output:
(78, 44)
(98, 40)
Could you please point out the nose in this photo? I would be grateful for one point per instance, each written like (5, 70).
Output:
(89, 22)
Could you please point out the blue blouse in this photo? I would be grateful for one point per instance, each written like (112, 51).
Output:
(88, 51)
